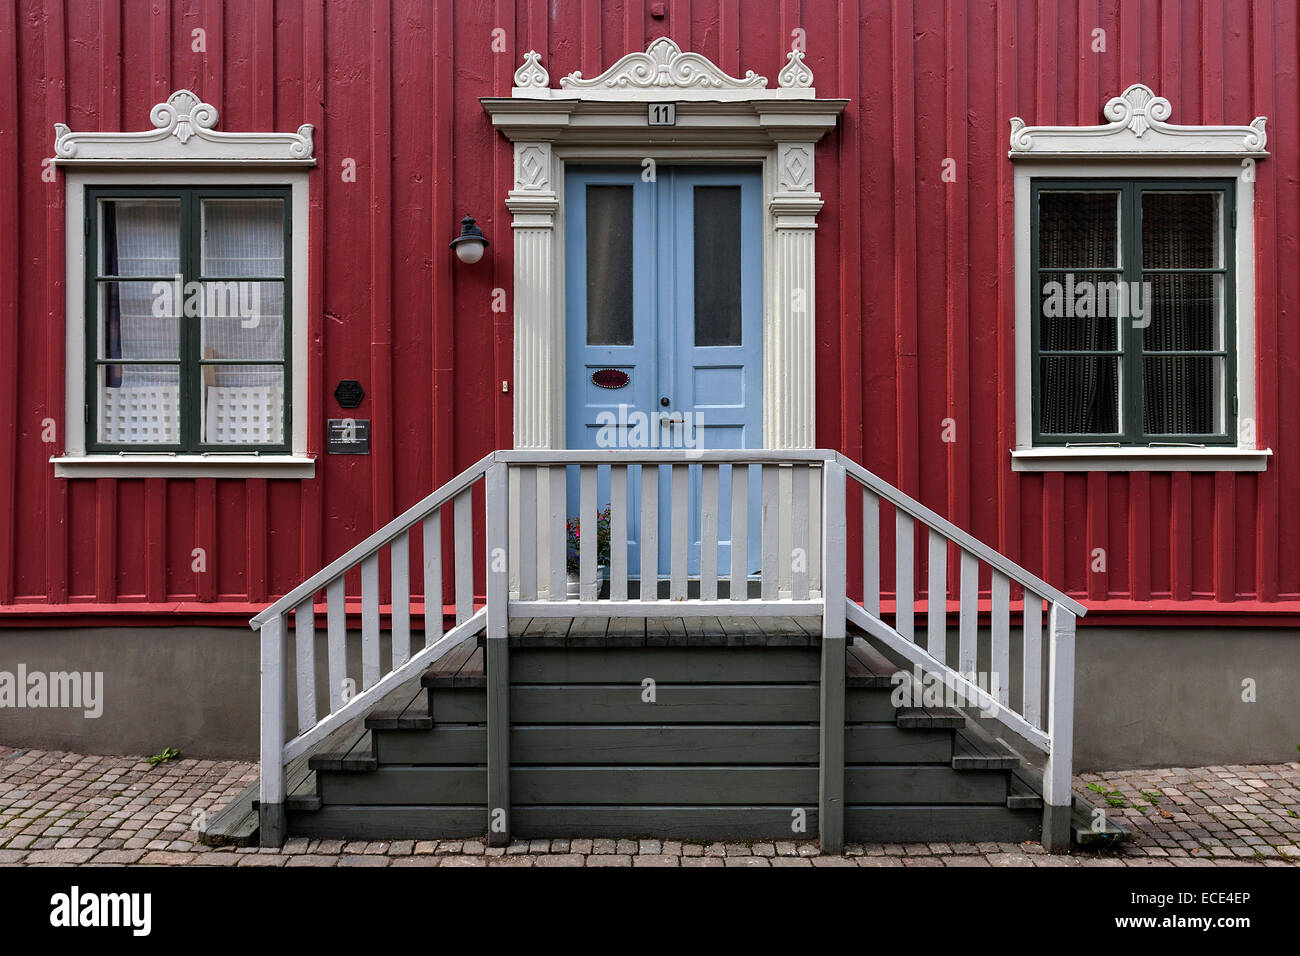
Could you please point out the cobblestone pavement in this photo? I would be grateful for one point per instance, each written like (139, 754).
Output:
(65, 808)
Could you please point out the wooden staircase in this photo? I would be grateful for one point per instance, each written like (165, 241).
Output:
(697, 728)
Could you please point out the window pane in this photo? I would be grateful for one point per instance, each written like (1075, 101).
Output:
(609, 265)
(717, 265)
(1078, 230)
(139, 404)
(1183, 395)
(1185, 312)
(243, 237)
(243, 320)
(243, 404)
(1079, 396)
(1080, 311)
(138, 320)
(140, 237)
(1180, 230)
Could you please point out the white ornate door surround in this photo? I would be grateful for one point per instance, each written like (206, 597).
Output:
(720, 119)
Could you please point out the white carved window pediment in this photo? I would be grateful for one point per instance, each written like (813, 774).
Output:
(1138, 127)
(1139, 142)
(664, 71)
(184, 131)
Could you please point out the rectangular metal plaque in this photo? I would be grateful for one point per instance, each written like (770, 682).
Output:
(348, 436)
(662, 114)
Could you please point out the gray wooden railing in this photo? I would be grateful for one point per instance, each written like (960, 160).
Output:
(802, 537)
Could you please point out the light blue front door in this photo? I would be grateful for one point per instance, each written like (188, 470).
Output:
(664, 326)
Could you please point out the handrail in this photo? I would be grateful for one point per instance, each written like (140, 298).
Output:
(374, 542)
(959, 537)
(666, 456)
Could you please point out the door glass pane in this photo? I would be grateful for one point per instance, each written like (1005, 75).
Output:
(140, 237)
(1180, 230)
(1079, 395)
(609, 265)
(243, 237)
(1078, 230)
(717, 265)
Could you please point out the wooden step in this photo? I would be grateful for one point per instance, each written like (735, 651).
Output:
(343, 761)
(1089, 829)
(623, 745)
(462, 666)
(975, 749)
(625, 632)
(935, 717)
(935, 784)
(925, 824)
(360, 756)
(867, 667)
(1021, 794)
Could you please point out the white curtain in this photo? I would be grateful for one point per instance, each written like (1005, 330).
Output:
(239, 319)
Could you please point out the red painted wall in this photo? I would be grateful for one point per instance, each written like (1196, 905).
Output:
(914, 292)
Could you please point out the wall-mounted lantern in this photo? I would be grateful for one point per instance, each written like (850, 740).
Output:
(471, 242)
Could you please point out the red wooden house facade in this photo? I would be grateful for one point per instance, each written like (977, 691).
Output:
(1190, 571)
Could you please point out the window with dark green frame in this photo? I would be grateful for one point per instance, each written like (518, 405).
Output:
(1134, 320)
(187, 332)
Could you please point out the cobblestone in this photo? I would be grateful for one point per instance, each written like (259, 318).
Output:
(61, 808)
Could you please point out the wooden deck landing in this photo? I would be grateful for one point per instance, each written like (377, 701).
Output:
(665, 631)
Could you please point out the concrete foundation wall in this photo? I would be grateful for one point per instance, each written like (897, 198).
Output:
(1146, 697)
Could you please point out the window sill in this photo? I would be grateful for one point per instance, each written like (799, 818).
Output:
(1208, 458)
(184, 466)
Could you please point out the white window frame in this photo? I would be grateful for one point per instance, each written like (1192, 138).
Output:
(183, 151)
(1138, 143)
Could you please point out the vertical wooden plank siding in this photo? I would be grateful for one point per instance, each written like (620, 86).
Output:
(11, 236)
(914, 291)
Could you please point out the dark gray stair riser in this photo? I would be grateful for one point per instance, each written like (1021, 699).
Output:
(682, 744)
(728, 665)
(861, 824)
(927, 824)
(673, 703)
(743, 786)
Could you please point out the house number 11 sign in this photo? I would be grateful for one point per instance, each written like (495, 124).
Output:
(662, 114)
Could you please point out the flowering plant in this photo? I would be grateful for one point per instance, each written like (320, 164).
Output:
(573, 557)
